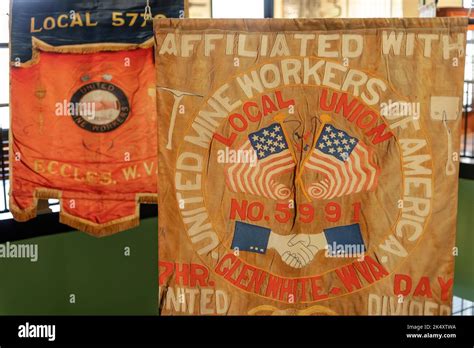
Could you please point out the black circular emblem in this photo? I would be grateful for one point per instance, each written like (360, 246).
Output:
(99, 107)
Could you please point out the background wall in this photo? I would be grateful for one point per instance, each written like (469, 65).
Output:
(464, 267)
(103, 279)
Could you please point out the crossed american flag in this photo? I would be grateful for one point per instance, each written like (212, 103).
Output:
(273, 159)
(345, 163)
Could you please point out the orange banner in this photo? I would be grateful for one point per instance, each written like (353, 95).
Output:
(83, 131)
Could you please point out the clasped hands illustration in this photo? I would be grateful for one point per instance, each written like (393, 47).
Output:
(297, 250)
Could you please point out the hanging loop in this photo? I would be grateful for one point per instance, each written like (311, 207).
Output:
(148, 15)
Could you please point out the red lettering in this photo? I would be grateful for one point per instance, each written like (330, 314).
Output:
(243, 276)
(379, 136)
(283, 104)
(268, 105)
(345, 105)
(232, 270)
(239, 128)
(199, 275)
(377, 270)
(168, 271)
(362, 268)
(258, 216)
(423, 288)
(372, 119)
(397, 284)
(226, 141)
(252, 117)
(182, 273)
(445, 288)
(287, 289)
(348, 276)
(235, 209)
(303, 282)
(274, 284)
(356, 113)
(315, 289)
(220, 269)
(323, 103)
(256, 281)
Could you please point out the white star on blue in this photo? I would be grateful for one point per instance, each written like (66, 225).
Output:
(268, 141)
(334, 148)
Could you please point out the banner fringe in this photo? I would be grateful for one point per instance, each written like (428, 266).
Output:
(22, 215)
(80, 224)
(39, 45)
(99, 231)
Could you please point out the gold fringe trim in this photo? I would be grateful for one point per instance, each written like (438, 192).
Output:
(47, 194)
(99, 230)
(148, 199)
(89, 227)
(39, 45)
(22, 215)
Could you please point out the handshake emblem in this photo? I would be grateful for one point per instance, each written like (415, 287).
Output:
(297, 250)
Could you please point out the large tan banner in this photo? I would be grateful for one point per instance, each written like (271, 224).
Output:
(308, 166)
